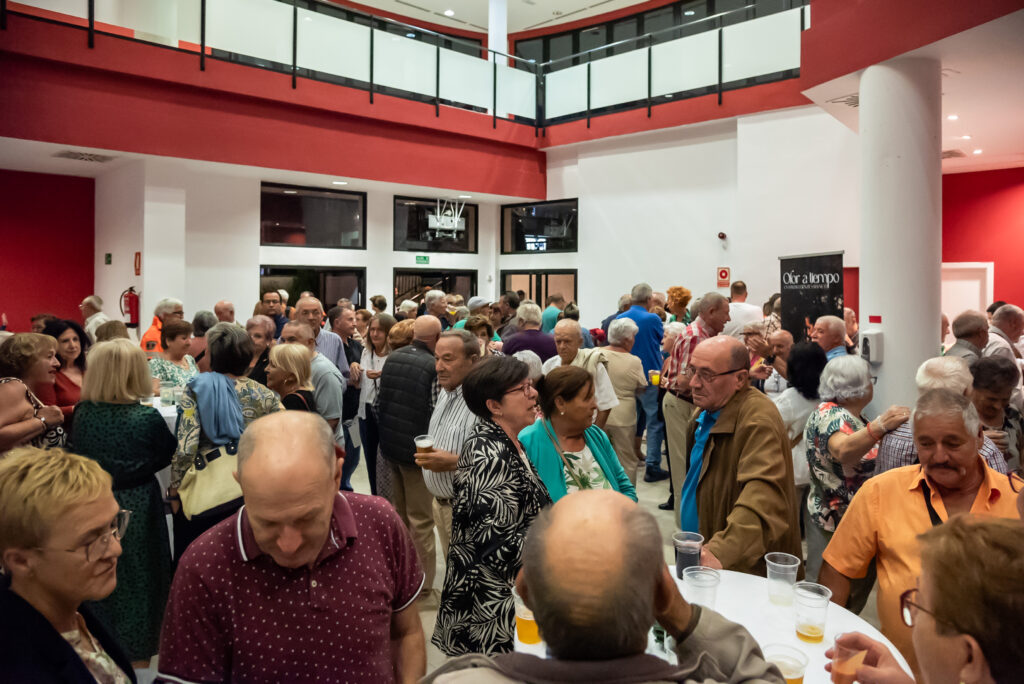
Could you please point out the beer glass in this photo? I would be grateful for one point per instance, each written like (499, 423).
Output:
(792, 663)
(782, 570)
(845, 662)
(811, 608)
(526, 626)
(424, 443)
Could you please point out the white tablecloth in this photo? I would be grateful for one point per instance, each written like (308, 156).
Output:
(743, 598)
(170, 415)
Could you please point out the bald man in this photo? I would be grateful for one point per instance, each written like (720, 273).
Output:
(739, 491)
(773, 371)
(328, 382)
(302, 581)
(405, 400)
(568, 336)
(595, 628)
(224, 311)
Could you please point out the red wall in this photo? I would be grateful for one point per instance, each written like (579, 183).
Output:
(46, 258)
(983, 220)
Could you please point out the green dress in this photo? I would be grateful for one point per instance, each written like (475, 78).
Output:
(132, 443)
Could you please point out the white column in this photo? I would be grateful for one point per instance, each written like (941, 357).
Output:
(901, 219)
(497, 27)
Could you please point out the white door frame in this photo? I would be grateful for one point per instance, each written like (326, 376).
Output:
(990, 273)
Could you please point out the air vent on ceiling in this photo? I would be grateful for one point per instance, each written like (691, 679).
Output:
(851, 100)
(953, 154)
(84, 156)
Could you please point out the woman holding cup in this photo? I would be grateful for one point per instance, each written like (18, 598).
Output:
(626, 373)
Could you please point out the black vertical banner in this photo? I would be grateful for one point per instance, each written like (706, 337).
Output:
(812, 286)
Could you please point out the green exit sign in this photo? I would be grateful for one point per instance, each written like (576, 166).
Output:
(422, 259)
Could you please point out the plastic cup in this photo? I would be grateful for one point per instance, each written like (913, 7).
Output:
(424, 443)
(687, 545)
(845, 662)
(654, 376)
(792, 662)
(701, 585)
(810, 603)
(526, 626)
(782, 570)
(167, 394)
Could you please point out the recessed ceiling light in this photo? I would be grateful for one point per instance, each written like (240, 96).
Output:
(978, 151)
(688, 13)
(291, 192)
(465, 197)
(952, 117)
(410, 35)
(965, 137)
(449, 13)
(339, 182)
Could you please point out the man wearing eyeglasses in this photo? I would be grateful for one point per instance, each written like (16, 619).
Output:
(739, 492)
(167, 309)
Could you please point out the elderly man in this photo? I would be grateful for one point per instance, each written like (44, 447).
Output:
(528, 321)
(224, 311)
(302, 581)
(647, 348)
(625, 301)
(773, 370)
(595, 630)
(677, 406)
(342, 321)
(896, 449)
(1007, 327)
(92, 315)
(435, 303)
(569, 342)
(508, 305)
(405, 401)
(168, 309)
(627, 376)
(740, 312)
(328, 382)
(995, 380)
(450, 424)
(478, 306)
(273, 308)
(971, 332)
(310, 311)
(829, 333)
(739, 492)
(891, 509)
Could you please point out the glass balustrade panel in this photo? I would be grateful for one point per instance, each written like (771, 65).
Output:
(333, 46)
(403, 63)
(261, 29)
(762, 46)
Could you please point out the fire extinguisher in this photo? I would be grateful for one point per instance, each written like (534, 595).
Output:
(130, 307)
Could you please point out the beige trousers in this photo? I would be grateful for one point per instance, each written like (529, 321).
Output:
(677, 415)
(443, 520)
(622, 438)
(415, 505)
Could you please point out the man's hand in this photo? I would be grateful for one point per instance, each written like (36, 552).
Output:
(760, 372)
(438, 461)
(999, 438)
(671, 610)
(708, 559)
(354, 371)
(880, 667)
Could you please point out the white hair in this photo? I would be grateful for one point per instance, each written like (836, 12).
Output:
(834, 324)
(1007, 313)
(570, 323)
(166, 306)
(845, 378)
(674, 329)
(408, 306)
(529, 313)
(532, 361)
(620, 330)
(711, 300)
(943, 402)
(432, 296)
(944, 372)
(95, 301)
(640, 293)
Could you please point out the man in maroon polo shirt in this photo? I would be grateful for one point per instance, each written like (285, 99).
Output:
(304, 583)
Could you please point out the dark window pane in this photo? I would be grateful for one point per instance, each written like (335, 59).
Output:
(658, 20)
(560, 46)
(422, 226)
(312, 217)
(594, 37)
(542, 227)
(621, 30)
(532, 50)
(690, 14)
(734, 17)
(766, 7)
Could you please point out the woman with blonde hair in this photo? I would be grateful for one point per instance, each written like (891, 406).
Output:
(375, 355)
(132, 443)
(60, 533)
(288, 374)
(29, 364)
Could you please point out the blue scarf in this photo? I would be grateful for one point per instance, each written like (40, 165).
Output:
(220, 414)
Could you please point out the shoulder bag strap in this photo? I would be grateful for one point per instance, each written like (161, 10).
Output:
(565, 463)
(932, 513)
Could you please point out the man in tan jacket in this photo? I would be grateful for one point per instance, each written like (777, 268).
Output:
(739, 491)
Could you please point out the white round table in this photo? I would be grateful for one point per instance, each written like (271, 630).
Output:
(743, 598)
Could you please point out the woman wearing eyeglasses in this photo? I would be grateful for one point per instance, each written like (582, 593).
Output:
(965, 612)
(497, 495)
(60, 531)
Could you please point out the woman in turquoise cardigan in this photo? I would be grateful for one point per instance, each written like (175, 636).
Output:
(569, 452)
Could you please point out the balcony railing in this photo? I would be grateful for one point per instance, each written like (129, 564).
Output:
(322, 41)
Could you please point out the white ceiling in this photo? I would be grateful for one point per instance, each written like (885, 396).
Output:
(982, 84)
(523, 15)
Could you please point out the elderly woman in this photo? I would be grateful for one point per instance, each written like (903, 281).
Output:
(497, 496)
(132, 443)
(797, 402)
(482, 328)
(59, 545)
(964, 612)
(112, 330)
(375, 353)
(201, 322)
(72, 346)
(627, 375)
(215, 409)
(288, 374)
(841, 451)
(569, 452)
(676, 300)
(995, 379)
(174, 365)
(400, 334)
(260, 329)
(28, 364)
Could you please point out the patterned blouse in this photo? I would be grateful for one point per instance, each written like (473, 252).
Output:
(832, 485)
(497, 495)
(100, 665)
(52, 438)
(168, 371)
(585, 470)
(256, 401)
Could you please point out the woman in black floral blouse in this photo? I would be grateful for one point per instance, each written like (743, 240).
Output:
(497, 496)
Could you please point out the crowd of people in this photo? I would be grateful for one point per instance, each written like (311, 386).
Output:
(508, 437)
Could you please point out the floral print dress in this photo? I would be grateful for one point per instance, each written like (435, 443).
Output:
(832, 485)
(168, 371)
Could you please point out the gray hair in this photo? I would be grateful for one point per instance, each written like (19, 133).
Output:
(674, 329)
(944, 372)
(529, 312)
(570, 323)
(317, 425)
(532, 361)
(624, 302)
(969, 323)
(834, 324)
(620, 330)
(432, 296)
(943, 402)
(711, 300)
(230, 349)
(408, 306)
(166, 306)
(845, 378)
(203, 321)
(95, 301)
(261, 321)
(640, 293)
(1007, 313)
(461, 312)
(470, 343)
(563, 613)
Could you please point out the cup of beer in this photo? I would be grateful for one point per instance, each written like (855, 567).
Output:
(792, 663)
(687, 545)
(654, 376)
(424, 443)
(810, 606)
(845, 662)
(782, 570)
(526, 626)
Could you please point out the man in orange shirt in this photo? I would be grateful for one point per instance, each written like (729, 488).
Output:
(167, 309)
(892, 509)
